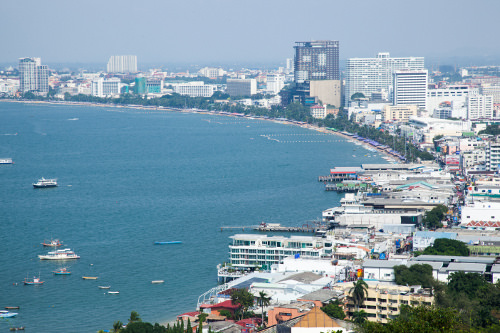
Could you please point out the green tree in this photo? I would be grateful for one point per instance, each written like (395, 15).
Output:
(433, 218)
(117, 326)
(242, 297)
(263, 300)
(358, 293)
(357, 96)
(419, 274)
(202, 316)
(359, 317)
(134, 317)
(447, 247)
(334, 310)
(189, 329)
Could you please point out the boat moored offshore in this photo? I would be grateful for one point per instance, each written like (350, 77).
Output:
(63, 254)
(7, 314)
(45, 183)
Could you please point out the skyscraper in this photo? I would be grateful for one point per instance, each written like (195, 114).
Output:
(373, 75)
(122, 64)
(316, 71)
(316, 60)
(410, 87)
(33, 76)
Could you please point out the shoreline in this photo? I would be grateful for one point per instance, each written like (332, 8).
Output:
(388, 157)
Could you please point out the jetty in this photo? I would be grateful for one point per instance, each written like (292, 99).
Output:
(348, 186)
(271, 227)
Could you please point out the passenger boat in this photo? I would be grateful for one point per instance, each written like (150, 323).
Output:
(168, 242)
(52, 243)
(89, 277)
(33, 282)
(113, 292)
(7, 314)
(61, 271)
(44, 183)
(104, 287)
(157, 281)
(63, 254)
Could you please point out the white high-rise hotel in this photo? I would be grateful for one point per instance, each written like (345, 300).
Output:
(410, 87)
(371, 75)
(33, 76)
(122, 64)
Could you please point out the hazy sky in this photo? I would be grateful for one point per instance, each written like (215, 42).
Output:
(234, 31)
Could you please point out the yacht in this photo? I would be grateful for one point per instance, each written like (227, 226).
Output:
(63, 254)
(7, 314)
(44, 183)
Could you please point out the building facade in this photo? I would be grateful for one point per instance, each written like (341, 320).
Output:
(375, 75)
(400, 112)
(480, 107)
(102, 87)
(33, 76)
(241, 87)
(316, 60)
(410, 87)
(194, 89)
(122, 64)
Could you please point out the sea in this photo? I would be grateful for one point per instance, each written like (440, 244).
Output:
(129, 177)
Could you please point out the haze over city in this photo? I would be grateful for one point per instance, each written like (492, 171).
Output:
(226, 32)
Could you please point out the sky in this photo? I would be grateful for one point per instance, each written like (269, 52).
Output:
(251, 31)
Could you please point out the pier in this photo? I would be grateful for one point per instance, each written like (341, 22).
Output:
(335, 178)
(348, 187)
(273, 227)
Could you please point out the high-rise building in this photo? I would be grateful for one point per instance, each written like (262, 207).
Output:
(33, 76)
(102, 87)
(410, 87)
(122, 64)
(241, 87)
(316, 71)
(316, 60)
(480, 107)
(274, 83)
(375, 75)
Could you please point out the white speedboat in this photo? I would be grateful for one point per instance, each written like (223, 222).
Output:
(113, 292)
(63, 254)
(7, 314)
(44, 183)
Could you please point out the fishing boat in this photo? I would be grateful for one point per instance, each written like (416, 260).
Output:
(12, 307)
(104, 287)
(113, 292)
(157, 281)
(35, 281)
(45, 183)
(167, 242)
(61, 271)
(52, 243)
(89, 277)
(63, 254)
(17, 328)
(7, 314)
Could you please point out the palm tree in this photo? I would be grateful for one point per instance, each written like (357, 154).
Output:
(263, 301)
(359, 317)
(359, 292)
(134, 316)
(117, 326)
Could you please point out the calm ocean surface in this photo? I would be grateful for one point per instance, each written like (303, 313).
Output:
(130, 177)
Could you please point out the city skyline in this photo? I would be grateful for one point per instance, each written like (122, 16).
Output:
(227, 32)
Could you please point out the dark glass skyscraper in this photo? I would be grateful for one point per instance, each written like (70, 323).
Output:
(316, 60)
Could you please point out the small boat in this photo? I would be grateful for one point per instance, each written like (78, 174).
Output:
(168, 242)
(6, 161)
(52, 243)
(12, 307)
(113, 292)
(89, 277)
(157, 281)
(45, 183)
(17, 328)
(104, 287)
(63, 254)
(61, 271)
(33, 282)
(7, 314)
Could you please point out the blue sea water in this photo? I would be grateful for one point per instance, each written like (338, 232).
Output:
(130, 177)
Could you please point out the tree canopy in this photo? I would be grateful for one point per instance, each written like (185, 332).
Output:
(334, 310)
(447, 247)
(433, 218)
(414, 275)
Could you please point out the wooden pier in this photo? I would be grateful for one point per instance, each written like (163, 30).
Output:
(334, 178)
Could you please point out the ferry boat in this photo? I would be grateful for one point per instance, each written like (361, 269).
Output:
(33, 282)
(63, 254)
(7, 314)
(45, 183)
(61, 271)
(6, 161)
(52, 243)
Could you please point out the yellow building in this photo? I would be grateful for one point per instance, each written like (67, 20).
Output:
(400, 112)
(384, 301)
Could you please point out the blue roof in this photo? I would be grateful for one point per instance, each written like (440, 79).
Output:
(436, 234)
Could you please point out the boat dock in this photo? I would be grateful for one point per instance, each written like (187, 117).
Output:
(348, 187)
(272, 227)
